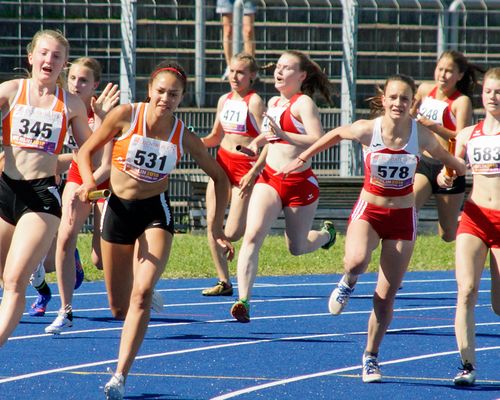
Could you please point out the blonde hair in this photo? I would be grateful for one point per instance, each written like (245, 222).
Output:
(90, 63)
(59, 37)
(492, 73)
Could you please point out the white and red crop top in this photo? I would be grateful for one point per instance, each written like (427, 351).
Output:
(147, 159)
(390, 172)
(235, 117)
(36, 128)
(284, 118)
(483, 152)
(439, 111)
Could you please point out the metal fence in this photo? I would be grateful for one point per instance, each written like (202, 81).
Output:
(385, 37)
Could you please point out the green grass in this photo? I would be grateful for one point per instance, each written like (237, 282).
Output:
(190, 258)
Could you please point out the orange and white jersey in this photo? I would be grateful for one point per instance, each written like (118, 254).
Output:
(483, 152)
(32, 127)
(147, 159)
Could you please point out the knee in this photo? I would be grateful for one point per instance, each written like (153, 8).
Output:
(355, 264)
(227, 31)
(467, 293)
(96, 260)
(297, 249)
(141, 298)
(118, 313)
(383, 305)
(448, 236)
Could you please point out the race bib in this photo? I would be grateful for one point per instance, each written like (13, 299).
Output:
(150, 160)
(483, 153)
(393, 171)
(274, 113)
(433, 109)
(69, 140)
(36, 128)
(233, 116)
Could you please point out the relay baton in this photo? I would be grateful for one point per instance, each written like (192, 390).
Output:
(245, 150)
(98, 194)
(451, 149)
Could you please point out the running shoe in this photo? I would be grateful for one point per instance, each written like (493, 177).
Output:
(80, 273)
(63, 321)
(466, 376)
(115, 388)
(157, 302)
(330, 229)
(220, 289)
(241, 311)
(37, 277)
(339, 297)
(371, 370)
(39, 307)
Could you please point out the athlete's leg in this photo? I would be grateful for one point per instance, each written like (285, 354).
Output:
(299, 236)
(394, 259)
(470, 257)
(448, 206)
(150, 258)
(263, 209)
(30, 242)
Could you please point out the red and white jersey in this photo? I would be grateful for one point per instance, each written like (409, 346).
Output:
(235, 117)
(32, 127)
(147, 159)
(284, 118)
(483, 152)
(70, 141)
(439, 111)
(390, 172)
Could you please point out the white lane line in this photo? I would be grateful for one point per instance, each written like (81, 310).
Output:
(336, 371)
(267, 285)
(228, 345)
(217, 321)
(212, 303)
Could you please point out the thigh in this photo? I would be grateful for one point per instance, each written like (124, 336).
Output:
(298, 221)
(470, 258)
(237, 217)
(74, 212)
(360, 242)
(118, 272)
(449, 206)
(263, 210)
(151, 255)
(32, 238)
(6, 233)
(495, 278)
(422, 189)
(395, 256)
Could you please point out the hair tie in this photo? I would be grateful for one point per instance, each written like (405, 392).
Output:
(172, 69)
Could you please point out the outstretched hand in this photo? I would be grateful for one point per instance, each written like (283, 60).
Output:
(109, 98)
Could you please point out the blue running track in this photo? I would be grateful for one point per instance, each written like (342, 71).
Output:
(291, 349)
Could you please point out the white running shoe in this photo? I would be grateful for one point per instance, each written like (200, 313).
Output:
(339, 297)
(63, 321)
(371, 370)
(157, 302)
(115, 388)
(38, 276)
(466, 376)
